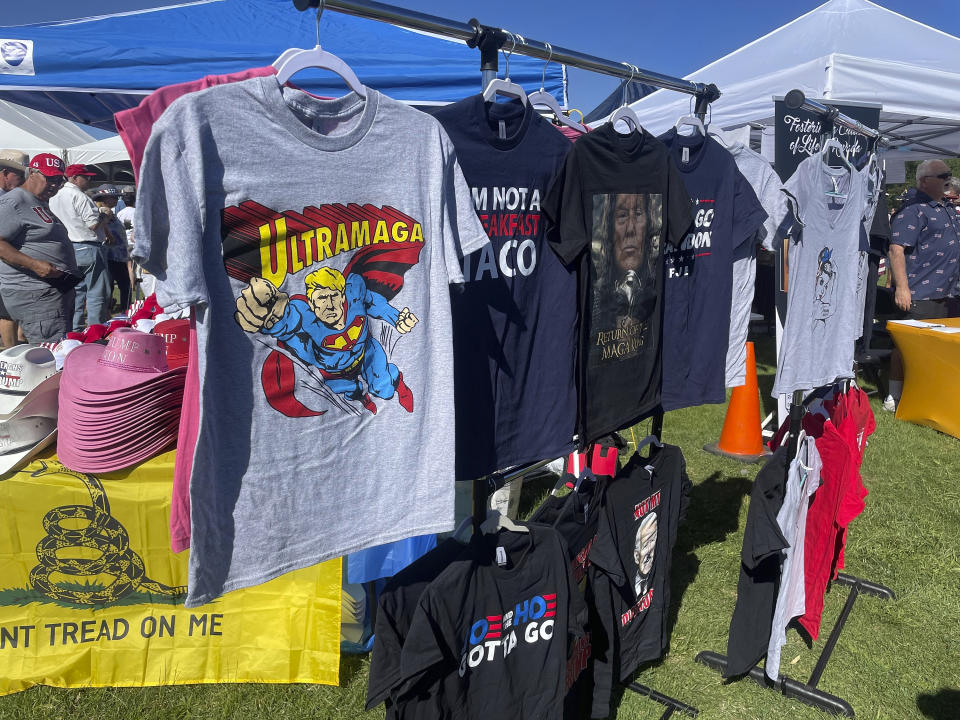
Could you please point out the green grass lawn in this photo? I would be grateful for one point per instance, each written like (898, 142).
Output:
(895, 659)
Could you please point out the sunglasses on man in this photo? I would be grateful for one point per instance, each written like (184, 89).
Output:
(941, 176)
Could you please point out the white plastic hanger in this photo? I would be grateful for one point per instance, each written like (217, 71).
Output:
(690, 120)
(835, 144)
(505, 87)
(625, 112)
(544, 99)
(294, 60)
(284, 56)
(496, 521)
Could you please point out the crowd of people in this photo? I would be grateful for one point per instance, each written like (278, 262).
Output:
(64, 246)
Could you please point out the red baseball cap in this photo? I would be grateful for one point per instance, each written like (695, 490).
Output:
(74, 170)
(49, 165)
(176, 333)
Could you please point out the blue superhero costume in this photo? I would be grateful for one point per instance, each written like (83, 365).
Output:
(347, 355)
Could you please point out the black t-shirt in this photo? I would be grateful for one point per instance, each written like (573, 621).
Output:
(759, 579)
(514, 320)
(618, 200)
(699, 284)
(576, 517)
(631, 562)
(395, 609)
(495, 638)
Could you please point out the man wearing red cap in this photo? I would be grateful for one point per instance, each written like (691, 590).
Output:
(38, 268)
(82, 218)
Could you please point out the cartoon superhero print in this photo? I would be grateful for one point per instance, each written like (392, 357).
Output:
(333, 342)
(329, 329)
(826, 286)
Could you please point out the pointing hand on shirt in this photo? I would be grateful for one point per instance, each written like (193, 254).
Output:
(406, 321)
(260, 305)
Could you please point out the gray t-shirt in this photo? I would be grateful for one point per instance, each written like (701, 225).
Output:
(803, 479)
(823, 261)
(766, 184)
(28, 225)
(330, 428)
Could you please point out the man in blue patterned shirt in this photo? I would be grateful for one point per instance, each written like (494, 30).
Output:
(924, 256)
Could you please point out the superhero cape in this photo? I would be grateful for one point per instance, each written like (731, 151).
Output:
(382, 267)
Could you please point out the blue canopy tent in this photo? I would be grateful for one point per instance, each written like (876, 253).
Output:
(86, 70)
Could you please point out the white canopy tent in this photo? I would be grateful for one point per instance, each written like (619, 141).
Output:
(842, 51)
(109, 149)
(35, 132)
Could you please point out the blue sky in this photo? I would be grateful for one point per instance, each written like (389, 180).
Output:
(669, 37)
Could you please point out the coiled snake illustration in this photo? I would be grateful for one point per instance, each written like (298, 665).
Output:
(102, 533)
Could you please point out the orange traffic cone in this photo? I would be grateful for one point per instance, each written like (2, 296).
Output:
(741, 438)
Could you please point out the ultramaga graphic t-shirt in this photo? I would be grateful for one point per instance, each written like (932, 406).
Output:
(494, 632)
(699, 285)
(617, 202)
(631, 561)
(514, 319)
(320, 275)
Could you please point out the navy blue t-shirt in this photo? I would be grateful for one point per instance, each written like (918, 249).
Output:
(699, 274)
(514, 320)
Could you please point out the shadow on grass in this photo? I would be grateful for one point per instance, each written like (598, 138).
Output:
(351, 665)
(713, 514)
(942, 705)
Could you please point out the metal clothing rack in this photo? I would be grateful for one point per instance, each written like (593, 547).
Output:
(796, 100)
(808, 692)
(490, 40)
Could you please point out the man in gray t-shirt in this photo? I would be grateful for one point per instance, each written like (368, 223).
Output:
(37, 258)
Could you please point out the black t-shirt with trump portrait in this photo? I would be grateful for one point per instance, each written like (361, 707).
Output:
(618, 199)
(630, 564)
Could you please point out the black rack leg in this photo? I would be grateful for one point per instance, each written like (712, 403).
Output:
(808, 692)
(671, 703)
(834, 636)
(866, 586)
(786, 686)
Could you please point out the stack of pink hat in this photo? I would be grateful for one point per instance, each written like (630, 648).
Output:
(119, 402)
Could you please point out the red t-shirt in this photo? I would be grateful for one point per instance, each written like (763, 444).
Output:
(135, 124)
(838, 501)
(186, 446)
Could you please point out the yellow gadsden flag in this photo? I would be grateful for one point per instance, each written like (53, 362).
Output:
(92, 596)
